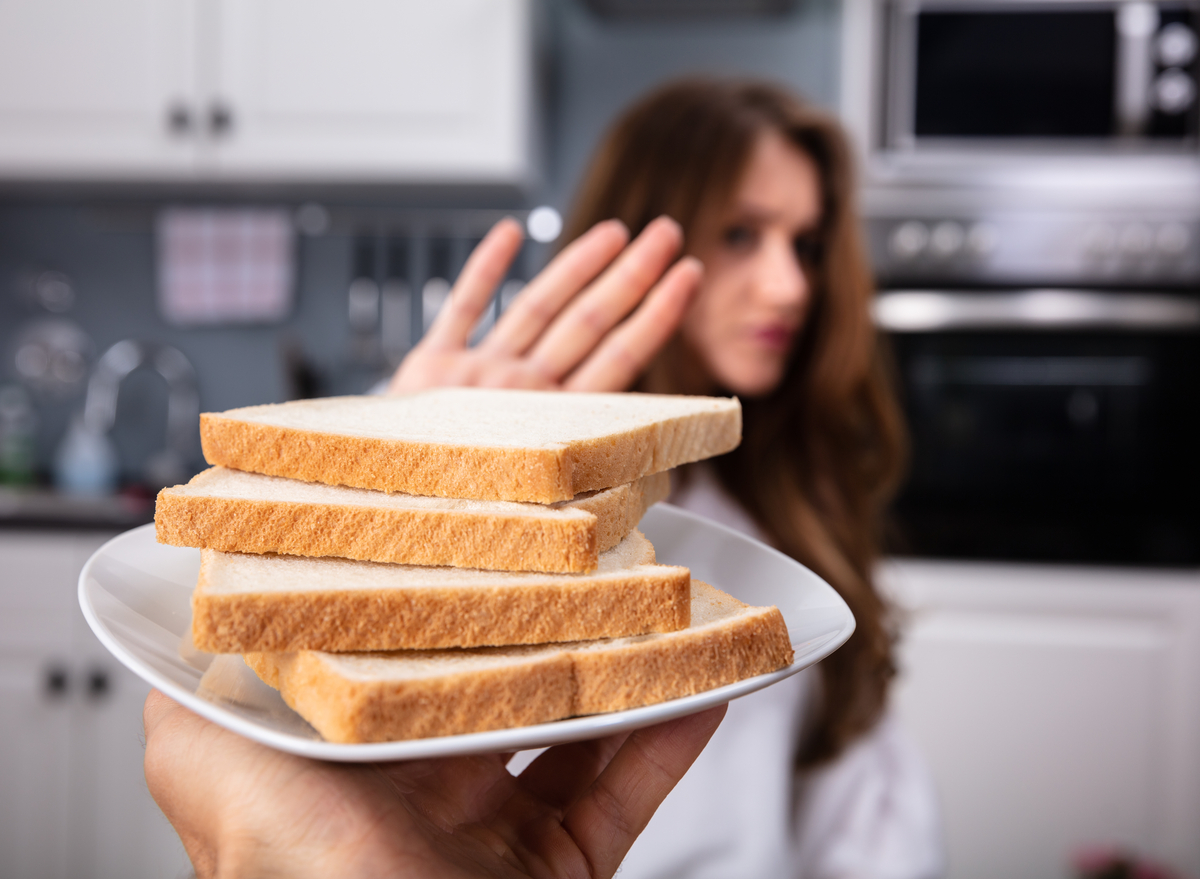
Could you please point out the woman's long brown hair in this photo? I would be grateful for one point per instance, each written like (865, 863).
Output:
(821, 454)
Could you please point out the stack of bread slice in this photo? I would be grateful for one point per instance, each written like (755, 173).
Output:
(459, 560)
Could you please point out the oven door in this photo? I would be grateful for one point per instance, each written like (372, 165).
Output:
(1063, 440)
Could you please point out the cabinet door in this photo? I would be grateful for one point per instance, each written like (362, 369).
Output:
(73, 798)
(87, 89)
(35, 750)
(37, 688)
(1057, 708)
(117, 830)
(371, 90)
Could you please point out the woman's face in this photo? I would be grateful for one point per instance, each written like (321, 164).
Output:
(757, 287)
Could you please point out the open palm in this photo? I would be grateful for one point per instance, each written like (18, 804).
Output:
(592, 320)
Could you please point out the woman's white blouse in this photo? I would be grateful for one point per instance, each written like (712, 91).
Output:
(742, 811)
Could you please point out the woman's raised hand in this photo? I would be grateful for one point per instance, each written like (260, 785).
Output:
(243, 809)
(592, 320)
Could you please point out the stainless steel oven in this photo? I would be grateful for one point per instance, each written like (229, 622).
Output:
(1052, 391)
(1049, 424)
(1031, 187)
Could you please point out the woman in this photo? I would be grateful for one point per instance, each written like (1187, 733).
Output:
(770, 303)
(761, 187)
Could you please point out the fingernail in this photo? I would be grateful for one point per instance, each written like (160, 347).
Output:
(664, 219)
(619, 225)
(508, 221)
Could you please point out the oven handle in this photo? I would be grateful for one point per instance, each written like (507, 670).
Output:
(931, 311)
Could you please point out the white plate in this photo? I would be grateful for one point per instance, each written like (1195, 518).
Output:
(136, 595)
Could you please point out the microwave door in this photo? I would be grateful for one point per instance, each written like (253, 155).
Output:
(1008, 74)
(965, 73)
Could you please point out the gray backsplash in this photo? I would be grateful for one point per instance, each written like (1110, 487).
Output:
(108, 255)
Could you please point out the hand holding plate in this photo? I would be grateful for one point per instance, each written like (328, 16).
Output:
(241, 808)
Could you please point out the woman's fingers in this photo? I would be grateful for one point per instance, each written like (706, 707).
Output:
(606, 820)
(514, 374)
(626, 352)
(476, 284)
(590, 317)
(551, 328)
(432, 368)
(547, 294)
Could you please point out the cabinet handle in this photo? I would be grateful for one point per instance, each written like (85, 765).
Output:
(56, 682)
(98, 684)
(220, 119)
(179, 119)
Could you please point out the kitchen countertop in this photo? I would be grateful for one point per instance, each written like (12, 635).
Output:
(44, 508)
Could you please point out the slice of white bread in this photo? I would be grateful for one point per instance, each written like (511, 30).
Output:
(235, 511)
(375, 697)
(485, 444)
(252, 603)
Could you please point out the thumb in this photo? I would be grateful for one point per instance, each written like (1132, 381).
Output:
(606, 820)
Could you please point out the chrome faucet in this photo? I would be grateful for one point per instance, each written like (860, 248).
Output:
(168, 466)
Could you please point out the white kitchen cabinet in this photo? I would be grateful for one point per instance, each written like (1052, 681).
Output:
(34, 760)
(87, 89)
(373, 89)
(73, 798)
(1059, 709)
(266, 90)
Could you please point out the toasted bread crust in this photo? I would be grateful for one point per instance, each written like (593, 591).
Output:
(440, 470)
(656, 670)
(656, 599)
(494, 541)
(619, 510)
(533, 474)
(547, 685)
(348, 711)
(414, 537)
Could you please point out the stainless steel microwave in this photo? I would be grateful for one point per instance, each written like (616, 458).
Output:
(1063, 74)
(1076, 95)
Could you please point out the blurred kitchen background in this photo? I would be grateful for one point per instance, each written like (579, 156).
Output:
(207, 204)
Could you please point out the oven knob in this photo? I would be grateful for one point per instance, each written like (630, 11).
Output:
(1172, 239)
(909, 239)
(1176, 45)
(1136, 240)
(1100, 240)
(947, 239)
(982, 239)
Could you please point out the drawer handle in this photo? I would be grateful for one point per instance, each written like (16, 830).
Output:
(220, 119)
(179, 119)
(56, 682)
(98, 684)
